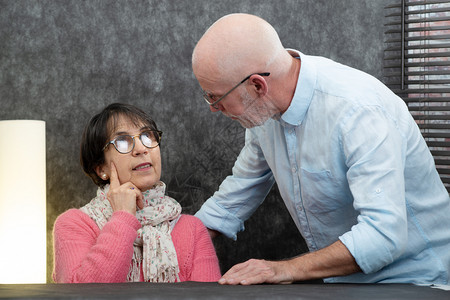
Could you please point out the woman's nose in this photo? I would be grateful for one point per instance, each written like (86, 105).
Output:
(139, 147)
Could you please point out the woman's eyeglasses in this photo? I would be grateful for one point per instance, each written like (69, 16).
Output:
(125, 143)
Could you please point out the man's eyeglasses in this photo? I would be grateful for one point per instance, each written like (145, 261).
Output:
(210, 100)
(125, 143)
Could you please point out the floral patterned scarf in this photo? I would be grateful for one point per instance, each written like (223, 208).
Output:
(153, 247)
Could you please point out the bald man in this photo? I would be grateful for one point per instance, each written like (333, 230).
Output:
(349, 160)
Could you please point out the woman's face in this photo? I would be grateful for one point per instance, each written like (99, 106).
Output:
(141, 166)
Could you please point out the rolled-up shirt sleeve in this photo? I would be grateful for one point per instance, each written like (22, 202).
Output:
(241, 193)
(375, 153)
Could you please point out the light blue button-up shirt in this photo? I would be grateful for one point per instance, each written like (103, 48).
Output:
(351, 165)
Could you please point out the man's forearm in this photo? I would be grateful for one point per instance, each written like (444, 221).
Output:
(213, 233)
(334, 260)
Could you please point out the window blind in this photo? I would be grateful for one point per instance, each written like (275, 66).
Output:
(417, 68)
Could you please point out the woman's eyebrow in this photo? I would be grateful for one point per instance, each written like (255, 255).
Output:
(120, 133)
(127, 133)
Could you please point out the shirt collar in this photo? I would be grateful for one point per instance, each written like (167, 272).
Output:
(304, 90)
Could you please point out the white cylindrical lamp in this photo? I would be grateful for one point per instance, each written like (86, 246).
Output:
(22, 202)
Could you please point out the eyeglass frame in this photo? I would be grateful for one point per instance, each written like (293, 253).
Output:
(214, 104)
(134, 142)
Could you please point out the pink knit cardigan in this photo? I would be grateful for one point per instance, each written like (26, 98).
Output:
(83, 253)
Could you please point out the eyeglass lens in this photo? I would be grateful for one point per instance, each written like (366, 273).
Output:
(125, 143)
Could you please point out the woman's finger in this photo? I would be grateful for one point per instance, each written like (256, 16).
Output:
(114, 178)
(139, 197)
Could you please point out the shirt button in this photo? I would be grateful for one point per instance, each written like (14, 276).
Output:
(378, 190)
(294, 170)
(299, 207)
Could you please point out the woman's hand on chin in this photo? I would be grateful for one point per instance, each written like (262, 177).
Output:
(123, 197)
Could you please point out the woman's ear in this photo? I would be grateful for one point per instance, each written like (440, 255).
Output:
(102, 172)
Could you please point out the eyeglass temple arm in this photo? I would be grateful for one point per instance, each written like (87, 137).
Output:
(260, 74)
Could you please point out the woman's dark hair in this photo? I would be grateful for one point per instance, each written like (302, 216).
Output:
(98, 131)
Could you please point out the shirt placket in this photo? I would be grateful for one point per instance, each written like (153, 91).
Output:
(292, 149)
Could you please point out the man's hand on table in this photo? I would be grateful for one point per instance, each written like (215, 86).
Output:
(256, 271)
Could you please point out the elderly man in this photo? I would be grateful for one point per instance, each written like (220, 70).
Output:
(350, 163)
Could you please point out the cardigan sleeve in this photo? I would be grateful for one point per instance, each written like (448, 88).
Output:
(83, 253)
(205, 263)
(195, 251)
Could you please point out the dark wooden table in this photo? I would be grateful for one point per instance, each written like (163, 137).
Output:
(197, 290)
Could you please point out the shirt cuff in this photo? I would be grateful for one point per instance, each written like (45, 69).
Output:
(217, 218)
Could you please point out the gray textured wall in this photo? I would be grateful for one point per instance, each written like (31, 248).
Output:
(62, 61)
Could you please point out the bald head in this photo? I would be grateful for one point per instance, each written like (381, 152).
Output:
(235, 46)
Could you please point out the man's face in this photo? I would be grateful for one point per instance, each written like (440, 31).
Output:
(241, 106)
(255, 111)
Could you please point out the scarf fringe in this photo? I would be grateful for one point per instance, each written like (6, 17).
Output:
(167, 275)
(134, 275)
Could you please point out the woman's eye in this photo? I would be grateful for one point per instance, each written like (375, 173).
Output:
(122, 142)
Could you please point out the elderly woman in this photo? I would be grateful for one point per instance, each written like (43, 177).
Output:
(131, 231)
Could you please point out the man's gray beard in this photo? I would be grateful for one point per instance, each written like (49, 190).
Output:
(257, 111)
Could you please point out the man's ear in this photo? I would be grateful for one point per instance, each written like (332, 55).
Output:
(260, 84)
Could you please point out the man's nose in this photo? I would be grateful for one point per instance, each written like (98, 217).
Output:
(214, 109)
